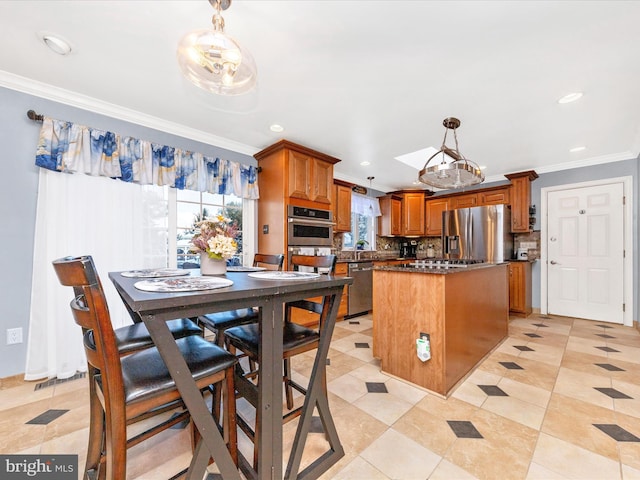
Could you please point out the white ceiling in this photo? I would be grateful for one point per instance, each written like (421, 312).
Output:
(358, 80)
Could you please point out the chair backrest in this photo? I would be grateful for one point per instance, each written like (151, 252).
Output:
(325, 262)
(316, 262)
(90, 311)
(260, 259)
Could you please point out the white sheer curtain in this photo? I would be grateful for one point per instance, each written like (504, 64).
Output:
(122, 225)
(363, 205)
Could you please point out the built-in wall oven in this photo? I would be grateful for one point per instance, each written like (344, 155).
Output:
(309, 227)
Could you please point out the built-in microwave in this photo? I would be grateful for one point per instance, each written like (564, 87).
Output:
(309, 227)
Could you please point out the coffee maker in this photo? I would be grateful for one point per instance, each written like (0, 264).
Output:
(408, 249)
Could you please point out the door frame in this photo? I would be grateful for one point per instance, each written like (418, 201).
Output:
(627, 186)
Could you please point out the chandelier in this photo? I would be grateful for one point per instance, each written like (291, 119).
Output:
(458, 172)
(214, 61)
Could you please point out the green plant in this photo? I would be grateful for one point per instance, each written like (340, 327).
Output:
(361, 243)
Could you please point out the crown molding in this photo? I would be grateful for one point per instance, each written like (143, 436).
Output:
(588, 162)
(60, 95)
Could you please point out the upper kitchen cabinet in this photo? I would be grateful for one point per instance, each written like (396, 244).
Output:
(413, 214)
(307, 174)
(390, 223)
(466, 200)
(495, 196)
(433, 215)
(341, 206)
(310, 178)
(521, 200)
(289, 174)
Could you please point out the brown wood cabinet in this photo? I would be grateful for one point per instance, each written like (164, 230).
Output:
(433, 215)
(341, 207)
(496, 196)
(290, 174)
(466, 200)
(413, 214)
(310, 178)
(465, 313)
(521, 200)
(390, 223)
(520, 288)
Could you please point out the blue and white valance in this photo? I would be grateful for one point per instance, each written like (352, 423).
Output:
(68, 147)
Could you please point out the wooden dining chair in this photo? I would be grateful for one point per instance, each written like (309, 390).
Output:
(296, 339)
(219, 322)
(128, 389)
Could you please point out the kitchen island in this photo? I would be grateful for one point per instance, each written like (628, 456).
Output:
(465, 311)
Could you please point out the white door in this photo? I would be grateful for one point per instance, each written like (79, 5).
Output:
(585, 249)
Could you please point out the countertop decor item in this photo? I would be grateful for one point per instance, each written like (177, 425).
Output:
(454, 171)
(214, 61)
(216, 242)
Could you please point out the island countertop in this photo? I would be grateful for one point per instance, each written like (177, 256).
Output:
(416, 267)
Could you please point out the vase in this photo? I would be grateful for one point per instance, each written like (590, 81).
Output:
(212, 266)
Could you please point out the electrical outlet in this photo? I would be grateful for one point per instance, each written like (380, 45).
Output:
(528, 244)
(14, 335)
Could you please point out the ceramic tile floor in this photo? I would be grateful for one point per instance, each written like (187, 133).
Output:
(558, 399)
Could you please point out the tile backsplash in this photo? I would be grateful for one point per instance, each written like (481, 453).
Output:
(530, 241)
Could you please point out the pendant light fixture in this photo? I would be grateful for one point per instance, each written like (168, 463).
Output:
(214, 61)
(457, 172)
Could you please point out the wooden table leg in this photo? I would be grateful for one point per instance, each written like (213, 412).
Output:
(194, 401)
(317, 397)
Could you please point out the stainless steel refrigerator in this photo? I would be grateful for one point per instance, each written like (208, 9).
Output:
(478, 233)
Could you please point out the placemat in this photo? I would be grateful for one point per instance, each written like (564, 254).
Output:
(188, 284)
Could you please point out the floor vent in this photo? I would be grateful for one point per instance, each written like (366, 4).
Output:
(57, 381)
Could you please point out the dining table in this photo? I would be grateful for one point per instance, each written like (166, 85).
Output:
(230, 291)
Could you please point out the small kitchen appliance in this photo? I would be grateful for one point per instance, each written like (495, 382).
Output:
(408, 249)
(522, 254)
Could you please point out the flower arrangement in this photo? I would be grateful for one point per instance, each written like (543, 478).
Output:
(216, 238)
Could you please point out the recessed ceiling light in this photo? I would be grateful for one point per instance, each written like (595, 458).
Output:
(365, 163)
(56, 44)
(483, 167)
(577, 149)
(571, 97)
(276, 128)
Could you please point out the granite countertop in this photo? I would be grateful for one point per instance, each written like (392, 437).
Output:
(438, 270)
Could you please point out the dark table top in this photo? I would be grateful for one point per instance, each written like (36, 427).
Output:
(165, 304)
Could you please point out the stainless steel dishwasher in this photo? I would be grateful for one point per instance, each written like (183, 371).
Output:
(361, 290)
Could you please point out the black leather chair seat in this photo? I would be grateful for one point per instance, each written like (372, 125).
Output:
(247, 338)
(145, 374)
(136, 337)
(232, 318)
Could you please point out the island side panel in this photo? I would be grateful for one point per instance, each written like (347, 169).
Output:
(405, 304)
(477, 318)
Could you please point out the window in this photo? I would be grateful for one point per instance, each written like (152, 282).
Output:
(191, 207)
(364, 211)
(362, 233)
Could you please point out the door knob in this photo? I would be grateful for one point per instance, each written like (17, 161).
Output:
(553, 262)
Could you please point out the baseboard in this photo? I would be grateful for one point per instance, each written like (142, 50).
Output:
(12, 381)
